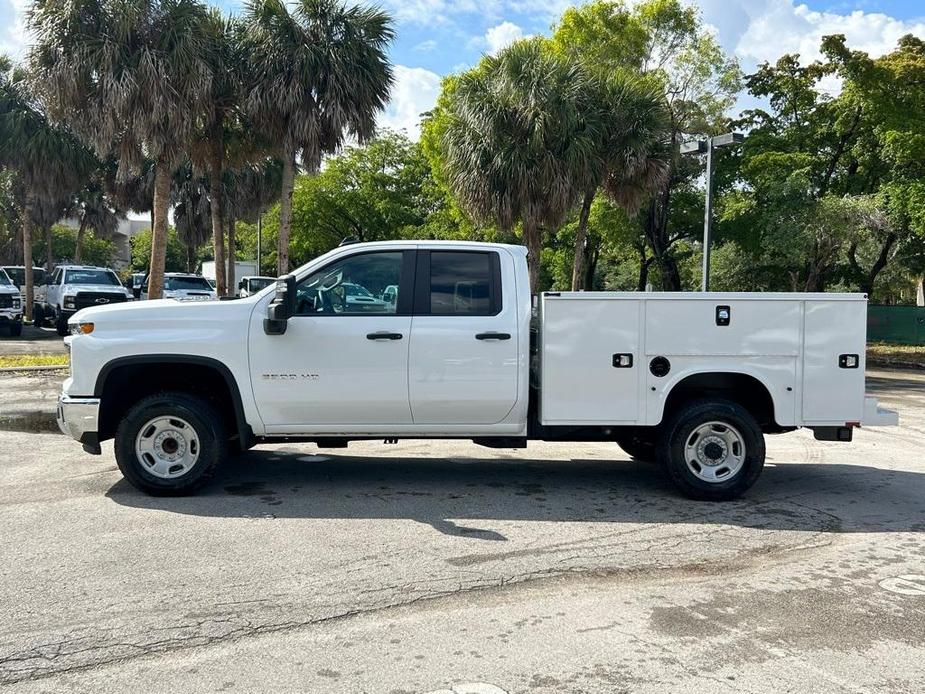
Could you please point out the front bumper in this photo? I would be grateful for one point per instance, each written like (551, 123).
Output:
(79, 419)
(10, 316)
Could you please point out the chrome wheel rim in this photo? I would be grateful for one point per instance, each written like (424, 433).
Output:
(167, 447)
(714, 452)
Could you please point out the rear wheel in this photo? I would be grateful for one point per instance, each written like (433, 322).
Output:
(170, 443)
(713, 450)
(38, 316)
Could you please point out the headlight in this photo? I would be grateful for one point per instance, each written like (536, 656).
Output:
(16, 303)
(81, 327)
(69, 302)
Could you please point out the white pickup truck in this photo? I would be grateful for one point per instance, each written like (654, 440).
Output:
(693, 381)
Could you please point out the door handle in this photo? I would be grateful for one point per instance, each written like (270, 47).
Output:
(383, 335)
(493, 336)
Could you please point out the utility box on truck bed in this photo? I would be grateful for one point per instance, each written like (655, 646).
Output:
(615, 357)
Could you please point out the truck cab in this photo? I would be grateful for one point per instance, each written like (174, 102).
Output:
(693, 381)
(71, 288)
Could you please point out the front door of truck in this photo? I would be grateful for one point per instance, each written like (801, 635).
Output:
(463, 363)
(342, 364)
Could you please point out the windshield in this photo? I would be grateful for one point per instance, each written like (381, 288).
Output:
(259, 283)
(179, 283)
(92, 277)
(4, 280)
(18, 275)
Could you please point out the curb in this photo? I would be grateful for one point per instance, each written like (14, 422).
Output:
(14, 369)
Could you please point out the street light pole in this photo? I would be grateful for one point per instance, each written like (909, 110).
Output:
(707, 219)
(706, 147)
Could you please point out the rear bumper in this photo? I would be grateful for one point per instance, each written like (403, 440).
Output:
(79, 418)
(876, 416)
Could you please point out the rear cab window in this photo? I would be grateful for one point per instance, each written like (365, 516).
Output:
(458, 283)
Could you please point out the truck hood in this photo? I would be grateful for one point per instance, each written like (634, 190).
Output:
(8, 290)
(168, 313)
(71, 289)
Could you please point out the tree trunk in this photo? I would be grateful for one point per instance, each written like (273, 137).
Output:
(159, 233)
(285, 214)
(656, 230)
(49, 252)
(217, 209)
(581, 238)
(29, 281)
(232, 253)
(594, 255)
(868, 285)
(190, 258)
(533, 239)
(78, 249)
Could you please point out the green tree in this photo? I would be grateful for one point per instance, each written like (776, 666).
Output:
(48, 162)
(317, 74)
(175, 257)
(132, 78)
(666, 43)
(513, 137)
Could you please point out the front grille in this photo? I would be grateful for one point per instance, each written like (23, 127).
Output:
(88, 299)
(6, 301)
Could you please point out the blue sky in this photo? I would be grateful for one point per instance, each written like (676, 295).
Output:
(436, 37)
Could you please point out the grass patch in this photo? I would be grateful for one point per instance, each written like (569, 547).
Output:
(19, 360)
(900, 355)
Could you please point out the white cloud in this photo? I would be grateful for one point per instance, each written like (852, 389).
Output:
(427, 45)
(415, 91)
(500, 37)
(497, 38)
(776, 27)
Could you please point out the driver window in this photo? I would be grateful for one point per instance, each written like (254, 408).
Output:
(353, 286)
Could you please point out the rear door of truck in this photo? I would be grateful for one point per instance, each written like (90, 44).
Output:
(463, 359)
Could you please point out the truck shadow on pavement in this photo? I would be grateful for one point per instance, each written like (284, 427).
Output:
(453, 495)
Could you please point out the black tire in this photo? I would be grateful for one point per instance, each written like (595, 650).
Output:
(38, 316)
(15, 329)
(61, 324)
(206, 423)
(678, 432)
(639, 445)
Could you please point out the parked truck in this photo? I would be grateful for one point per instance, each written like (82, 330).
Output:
(693, 381)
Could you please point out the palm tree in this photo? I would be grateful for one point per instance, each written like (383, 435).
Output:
(192, 215)
(49, 162)
(518, 142)
(631, 159)
(253, 188)
(316, 75)
(220, 122)
(131, 77)
(94, 210)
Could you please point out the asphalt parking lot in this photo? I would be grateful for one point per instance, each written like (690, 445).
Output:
(445, 567)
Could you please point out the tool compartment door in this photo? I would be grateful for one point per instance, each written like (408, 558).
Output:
(833, 392)
(580, 383)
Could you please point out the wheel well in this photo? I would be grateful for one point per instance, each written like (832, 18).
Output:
(742, 389)
(122, 385)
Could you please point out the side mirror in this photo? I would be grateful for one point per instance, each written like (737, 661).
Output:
(282, 308)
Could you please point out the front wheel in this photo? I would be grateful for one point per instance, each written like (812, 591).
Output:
(15, 329)
(61, 324)
(712, 450)
(170, 443)
(38, 316)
